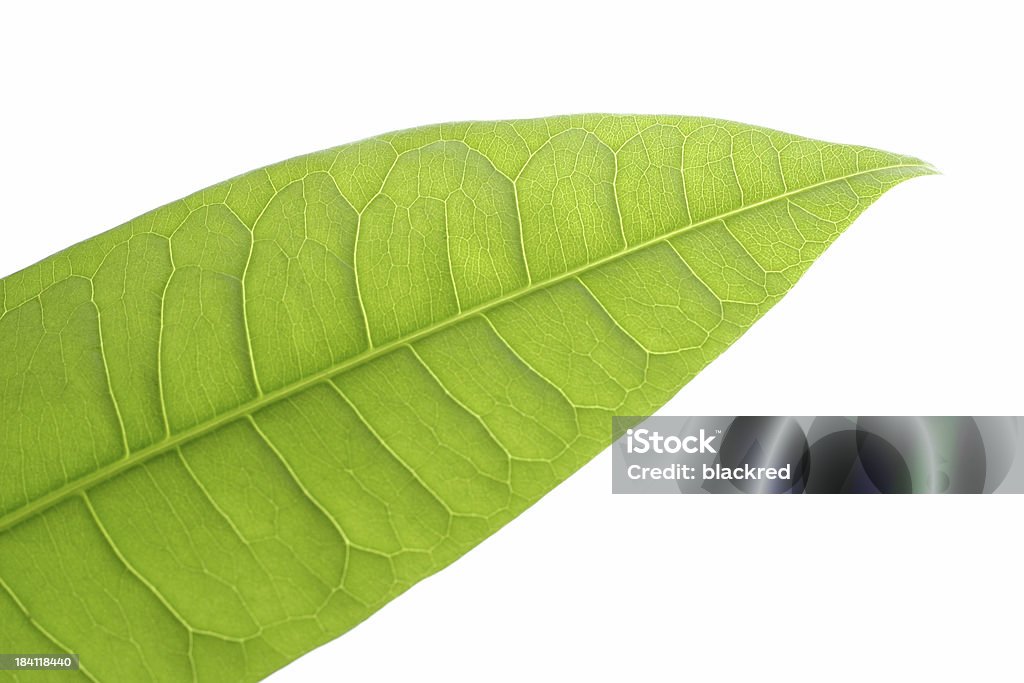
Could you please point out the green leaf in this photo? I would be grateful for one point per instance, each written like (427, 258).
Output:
(236, 426)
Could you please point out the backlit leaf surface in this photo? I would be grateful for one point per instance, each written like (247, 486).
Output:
(237, 425)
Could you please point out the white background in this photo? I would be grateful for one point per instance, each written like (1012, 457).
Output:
(110, 110)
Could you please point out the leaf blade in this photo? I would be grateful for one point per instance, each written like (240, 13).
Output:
(306, 297)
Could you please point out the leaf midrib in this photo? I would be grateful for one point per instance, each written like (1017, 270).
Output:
(170, 443)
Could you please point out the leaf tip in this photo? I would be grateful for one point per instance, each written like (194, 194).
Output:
(923, 167)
